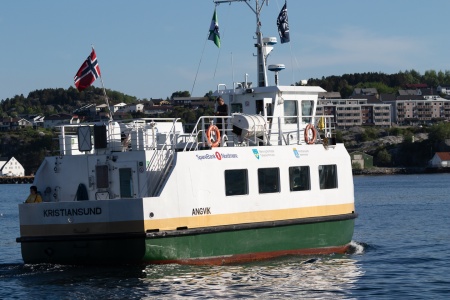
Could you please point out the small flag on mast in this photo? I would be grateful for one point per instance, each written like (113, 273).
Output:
(283, 25)
(88, 72)
(214, 30)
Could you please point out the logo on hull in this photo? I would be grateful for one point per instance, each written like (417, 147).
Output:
(256, 153)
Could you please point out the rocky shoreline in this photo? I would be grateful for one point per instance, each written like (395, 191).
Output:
(392, 171)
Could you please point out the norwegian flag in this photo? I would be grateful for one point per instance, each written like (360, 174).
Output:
(88, 72)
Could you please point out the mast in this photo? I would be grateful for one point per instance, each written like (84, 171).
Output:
(260, 47)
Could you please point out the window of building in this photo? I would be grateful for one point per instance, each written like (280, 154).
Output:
(299, 178)
(328, 177)
(236, 182)
(269, 180)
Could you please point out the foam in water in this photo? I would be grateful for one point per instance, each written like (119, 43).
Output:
(356, 247)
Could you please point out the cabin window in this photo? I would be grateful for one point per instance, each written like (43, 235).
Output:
(236, 182)
(102, 178)
(307, 110)
(290, 109)
(259, 107)
(236, 108)
(126, 182)
(328, 177)
(269, 109)
(299, 179)
(269, 180)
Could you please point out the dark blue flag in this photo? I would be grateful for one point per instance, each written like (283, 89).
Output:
(283, 25)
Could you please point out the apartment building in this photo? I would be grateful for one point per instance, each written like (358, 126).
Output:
(355, 112)
(413, 110)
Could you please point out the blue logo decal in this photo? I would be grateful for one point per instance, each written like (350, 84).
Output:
(296, 153)
(256, 153)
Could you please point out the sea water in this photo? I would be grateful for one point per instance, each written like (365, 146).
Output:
(401, 250)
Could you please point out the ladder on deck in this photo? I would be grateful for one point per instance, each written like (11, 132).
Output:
(161, 164)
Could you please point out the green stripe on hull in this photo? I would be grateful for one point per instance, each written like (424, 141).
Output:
(250, 241)
(235, 246)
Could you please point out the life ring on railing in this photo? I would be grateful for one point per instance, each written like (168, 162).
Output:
(310, 139)
(216, 132)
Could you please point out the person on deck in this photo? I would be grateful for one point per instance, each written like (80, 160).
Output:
(222, 110)
(34, 197)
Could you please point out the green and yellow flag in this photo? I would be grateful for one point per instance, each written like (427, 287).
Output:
(214, 30)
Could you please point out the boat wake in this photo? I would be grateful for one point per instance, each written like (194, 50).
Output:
(357, 247)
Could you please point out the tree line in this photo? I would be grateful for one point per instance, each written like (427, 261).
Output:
(384, 83)
(52, 101)
(58, 100)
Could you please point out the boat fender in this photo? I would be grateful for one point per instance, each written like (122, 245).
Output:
(217, 133)
(310, 139)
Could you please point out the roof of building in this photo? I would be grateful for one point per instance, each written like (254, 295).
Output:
(60, 117)
(387, 97)
(428, 92)
(371, 99)
(190, 99)
(407, 92)
(330, 95)
(410, 97)
(443, 155)
(366, 91)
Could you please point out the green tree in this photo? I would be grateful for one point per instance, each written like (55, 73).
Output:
(439, 132)
(181, 94)
(339, 136)
(356, 166)
(372, 133)
(430, 78)
(383, 158)
(408, 136)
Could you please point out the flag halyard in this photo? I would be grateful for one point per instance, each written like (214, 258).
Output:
(88, 72)
(214, 34)
(283, 25)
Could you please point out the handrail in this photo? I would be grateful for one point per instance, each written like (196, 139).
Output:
(275, 133)
(160, 163)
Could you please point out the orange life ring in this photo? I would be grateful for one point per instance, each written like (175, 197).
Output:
(310, 140)
(217, 133)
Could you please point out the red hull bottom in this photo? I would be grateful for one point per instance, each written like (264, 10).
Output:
(242, 258)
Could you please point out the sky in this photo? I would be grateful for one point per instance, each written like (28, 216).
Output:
(150, 49)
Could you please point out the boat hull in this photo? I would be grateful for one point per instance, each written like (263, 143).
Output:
(206, 246)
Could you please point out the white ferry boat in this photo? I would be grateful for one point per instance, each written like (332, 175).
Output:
(273, 182)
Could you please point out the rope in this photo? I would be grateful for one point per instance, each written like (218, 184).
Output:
(198, 68)
(201, 58)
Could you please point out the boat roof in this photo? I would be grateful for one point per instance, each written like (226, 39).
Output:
(275, 89)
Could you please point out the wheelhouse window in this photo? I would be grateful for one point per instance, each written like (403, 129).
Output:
(236, 108)
(236, 182)
(307, 110)
(299, 178)
(269, 180)
(259, 106)
(290, 109)
(328, 177)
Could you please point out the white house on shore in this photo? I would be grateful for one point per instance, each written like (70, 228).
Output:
(11, 167)
(440, 160)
